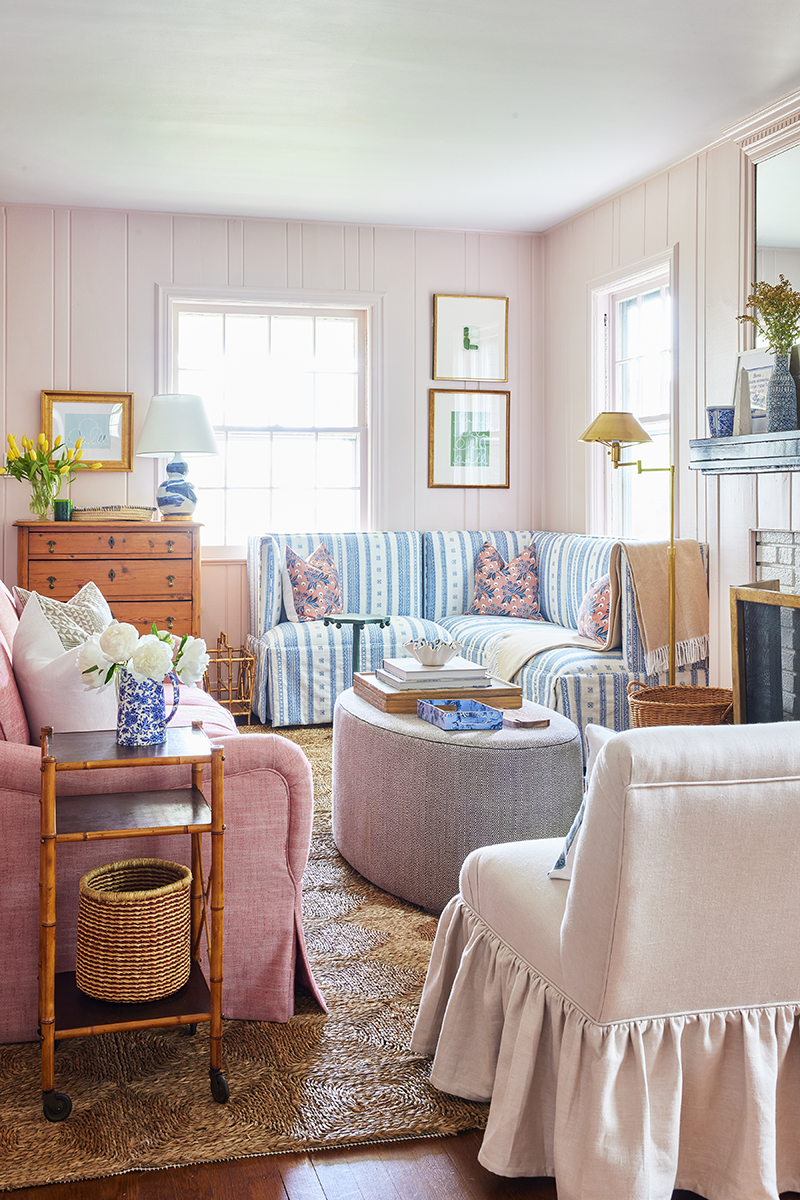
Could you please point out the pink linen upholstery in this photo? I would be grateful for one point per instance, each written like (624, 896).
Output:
(268, 813)
(635, 1029)
(13, 722)
(8, 614)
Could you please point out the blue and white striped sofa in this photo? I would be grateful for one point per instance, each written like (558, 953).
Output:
(425, 582)
(302, 667)
(587, 686)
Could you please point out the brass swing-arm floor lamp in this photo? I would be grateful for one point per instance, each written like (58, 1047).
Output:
(618, 429)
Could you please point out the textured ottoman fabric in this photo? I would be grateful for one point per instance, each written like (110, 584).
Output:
(411, 801)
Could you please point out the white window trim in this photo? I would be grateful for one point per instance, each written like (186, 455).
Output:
(599, 464)
(371, 303)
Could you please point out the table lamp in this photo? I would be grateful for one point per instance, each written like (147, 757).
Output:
(618, 429)
(176, 424)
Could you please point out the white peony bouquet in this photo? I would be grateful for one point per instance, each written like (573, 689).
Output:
(151, 656)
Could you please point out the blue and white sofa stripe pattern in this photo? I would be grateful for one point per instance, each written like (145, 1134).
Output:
(301, 668)
(425, 582)
(588, 688)
(569, 564)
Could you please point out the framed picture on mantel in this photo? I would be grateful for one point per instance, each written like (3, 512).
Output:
(102, 420)
(758, 364)
(468, 439)
(470, 338)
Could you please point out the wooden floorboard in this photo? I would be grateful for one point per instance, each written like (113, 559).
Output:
(428, 1169)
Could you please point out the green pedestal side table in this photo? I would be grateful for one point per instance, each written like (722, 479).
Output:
(358, 621)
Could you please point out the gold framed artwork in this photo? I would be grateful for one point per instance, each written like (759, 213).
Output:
(470, 338)
(468, 444)
(104, 420)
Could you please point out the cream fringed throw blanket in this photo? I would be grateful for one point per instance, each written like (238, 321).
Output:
(647, 562)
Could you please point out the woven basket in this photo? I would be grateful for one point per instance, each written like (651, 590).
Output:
(678, 705)
(114, 512)
(134, 930)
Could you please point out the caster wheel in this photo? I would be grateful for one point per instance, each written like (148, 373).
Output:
(56, 1106)
(219, 1087)
(191, 1030)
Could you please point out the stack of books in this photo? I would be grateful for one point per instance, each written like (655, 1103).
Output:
(407, 673)
(398, 685)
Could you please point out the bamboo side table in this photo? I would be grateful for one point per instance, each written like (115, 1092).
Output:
(65, 1011)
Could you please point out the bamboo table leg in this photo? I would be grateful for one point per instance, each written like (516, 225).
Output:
(197, 874)
(219, 1086)
(55, 1105)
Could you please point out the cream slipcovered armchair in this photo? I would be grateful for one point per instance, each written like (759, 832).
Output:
(635, 1028)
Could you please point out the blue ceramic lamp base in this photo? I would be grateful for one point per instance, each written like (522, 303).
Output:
(176, 497)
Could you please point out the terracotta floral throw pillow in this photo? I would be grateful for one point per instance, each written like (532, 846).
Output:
(311, 589)
(594, 611)
(506, 590)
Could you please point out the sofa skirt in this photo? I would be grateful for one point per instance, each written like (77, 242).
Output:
(302, 667)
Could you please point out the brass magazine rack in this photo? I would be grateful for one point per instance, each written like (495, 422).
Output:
(229, 678)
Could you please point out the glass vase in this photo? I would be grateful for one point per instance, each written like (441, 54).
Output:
(41, 498)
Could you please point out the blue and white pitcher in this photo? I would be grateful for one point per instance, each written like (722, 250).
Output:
(141, 713)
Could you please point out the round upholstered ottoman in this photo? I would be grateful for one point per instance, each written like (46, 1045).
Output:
(410, 801)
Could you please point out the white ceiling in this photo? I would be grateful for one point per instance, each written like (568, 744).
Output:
(499, 114)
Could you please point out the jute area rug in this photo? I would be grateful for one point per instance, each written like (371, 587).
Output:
(141, 1100)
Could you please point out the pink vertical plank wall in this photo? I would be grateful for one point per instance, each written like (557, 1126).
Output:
(29, 339)
(80, 289)
(696, 209)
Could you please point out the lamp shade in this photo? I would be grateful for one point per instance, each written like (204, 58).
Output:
(176, 423)
(609, 427)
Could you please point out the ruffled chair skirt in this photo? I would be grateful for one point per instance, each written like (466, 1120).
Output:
(709, 1101)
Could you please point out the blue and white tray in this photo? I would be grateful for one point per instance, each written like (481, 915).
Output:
(460, 714)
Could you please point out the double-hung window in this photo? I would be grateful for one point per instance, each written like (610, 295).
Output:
(634, 334)
(285, 390)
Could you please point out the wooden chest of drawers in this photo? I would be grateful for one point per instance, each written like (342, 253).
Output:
(148, 571)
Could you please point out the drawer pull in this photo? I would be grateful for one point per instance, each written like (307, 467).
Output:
(51, 546)
(51, 579)
(170, 547)
(170, 622)
(112, 574)
(111, 543)
(171, 580)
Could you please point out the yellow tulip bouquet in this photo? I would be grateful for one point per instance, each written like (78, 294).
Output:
(44, 468)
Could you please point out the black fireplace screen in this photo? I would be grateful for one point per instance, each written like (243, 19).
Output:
(766, 654)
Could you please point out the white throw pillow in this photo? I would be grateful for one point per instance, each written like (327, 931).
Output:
(73, 620)
(50, 684)
(596, 738)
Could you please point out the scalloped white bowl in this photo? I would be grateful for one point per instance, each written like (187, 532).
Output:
(432, 654)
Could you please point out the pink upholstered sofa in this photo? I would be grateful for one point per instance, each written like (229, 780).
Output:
(268, 815)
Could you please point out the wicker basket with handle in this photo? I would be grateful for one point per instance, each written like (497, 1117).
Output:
(134, 930)
(678, 705)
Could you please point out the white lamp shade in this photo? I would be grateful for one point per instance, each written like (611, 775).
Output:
(176, 423)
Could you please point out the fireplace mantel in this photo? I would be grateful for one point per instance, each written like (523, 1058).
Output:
(746, 455)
